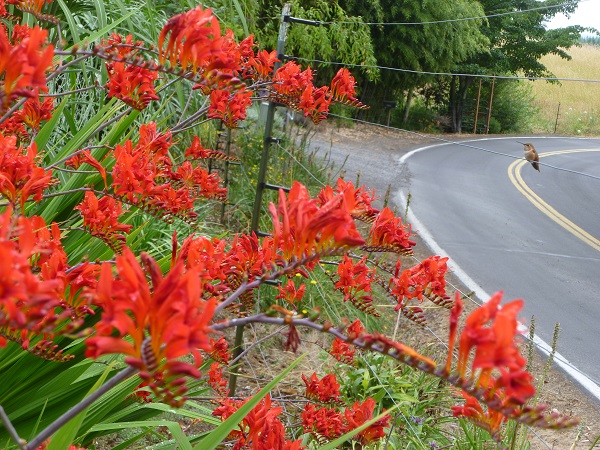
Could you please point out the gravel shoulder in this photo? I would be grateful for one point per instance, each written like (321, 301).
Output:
(369, 154)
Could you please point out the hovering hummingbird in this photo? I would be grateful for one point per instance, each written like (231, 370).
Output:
(531, 155)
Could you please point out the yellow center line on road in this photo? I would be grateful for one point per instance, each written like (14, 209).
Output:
(514, 174)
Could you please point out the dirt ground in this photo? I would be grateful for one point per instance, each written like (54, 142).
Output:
(369, 154)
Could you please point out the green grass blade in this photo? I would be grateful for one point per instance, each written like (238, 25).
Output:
(179, 436)
(220, 433)
(63, 438)
(100, 13)
(70, 20)
(44, 134)
(242, 17)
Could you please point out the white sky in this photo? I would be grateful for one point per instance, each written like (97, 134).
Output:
(587, 14)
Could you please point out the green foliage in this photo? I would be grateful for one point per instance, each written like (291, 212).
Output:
(346, 40)
(420, 399)
(517, 42)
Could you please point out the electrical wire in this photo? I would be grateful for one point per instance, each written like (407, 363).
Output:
(446, 74)
(433, 22)
(461, 19)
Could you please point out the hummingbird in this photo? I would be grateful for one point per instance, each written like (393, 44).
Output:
(531, 155)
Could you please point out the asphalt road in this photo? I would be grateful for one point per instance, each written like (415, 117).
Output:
(534, 235)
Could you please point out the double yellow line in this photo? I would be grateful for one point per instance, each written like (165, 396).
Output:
(514, 174)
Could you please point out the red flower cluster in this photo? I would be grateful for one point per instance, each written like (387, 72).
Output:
(343, 351)
(426, 279)
(20, 175)
(100, 218)
(40, 295)
(196, 151)
(165, 320)
(303, 227)
(497, 364)
(33, 114)
(331, 423)
(133, 85)
(357, 201)
(143, 175)
(260, 429)
(34, 6)
(388, 233)
(229, 108)
(23, 65)
(290, 293)
(325, 390)
(355, 282)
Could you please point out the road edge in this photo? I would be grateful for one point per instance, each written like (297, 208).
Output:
(584, 381)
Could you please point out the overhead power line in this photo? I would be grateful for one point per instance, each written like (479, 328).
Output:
(460, 19)
(448, 74)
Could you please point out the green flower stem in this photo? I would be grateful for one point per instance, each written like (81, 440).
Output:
(80, 407)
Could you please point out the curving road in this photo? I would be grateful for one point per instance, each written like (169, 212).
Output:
(535, 235)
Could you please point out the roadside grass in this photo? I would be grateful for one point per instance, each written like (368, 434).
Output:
(570, 107)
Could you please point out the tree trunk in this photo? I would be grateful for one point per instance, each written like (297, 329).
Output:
(458, 96)
(409, 98)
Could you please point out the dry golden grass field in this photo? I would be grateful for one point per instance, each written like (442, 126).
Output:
(576, 103)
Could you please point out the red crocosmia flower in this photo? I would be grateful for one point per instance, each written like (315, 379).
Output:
(27, 301)
(216, 379)
(220, 350)
(194, 37)
(260, 429)
(34, 6)
(361, 413)
(342, 351)
(475, 332)
(343, 89)
(101, 219)
(199, 182)
(165, 320)
(34, 112)
(290, 82)
(326, 390)
(357, 201)
(229, 110)
(14, 126)
(323, 422)
(125, 47)
(197, 151)
(389, 233)
(20, 175)
(262, 65)
(315, 103)
(23, 66)
(303, 228)
(290, 293)
(489, 420)
(497, 365)
(355, 329)
(354, 278)
(133, 85)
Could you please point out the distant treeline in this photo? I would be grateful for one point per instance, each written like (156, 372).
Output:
(590, 40)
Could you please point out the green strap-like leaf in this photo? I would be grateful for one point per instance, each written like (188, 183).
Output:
(63, 438)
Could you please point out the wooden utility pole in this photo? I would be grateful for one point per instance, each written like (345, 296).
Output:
(477, 108)
(489, 116)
